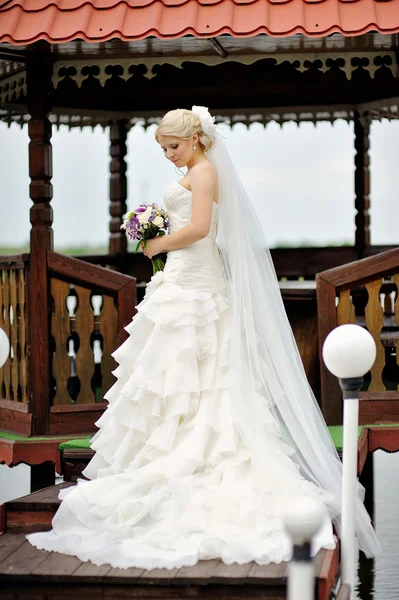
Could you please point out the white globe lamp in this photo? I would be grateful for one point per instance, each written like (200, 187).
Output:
(349, 351)
(303, 519)
(4, 347)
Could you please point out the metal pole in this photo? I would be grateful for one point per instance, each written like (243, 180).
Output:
(350, 388)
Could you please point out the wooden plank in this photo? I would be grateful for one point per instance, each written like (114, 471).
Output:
(363, 271)
(60, 330)
(271, 574)
(234, 574)
(84, 320)
(131, 575)
(331, 403)
(9, 542)
(378, 407)
(14, 419)
(47, 495)
(22, 561)
(384, 438)
(81, 272)
(362, 450)
(109, 328)
(158, 576)
(75, 421)
(28, 521)
(91, 573)
(56, 565)
(199, 574)
(374, 316)
(76, 408)
(14, 261)
(327, 574)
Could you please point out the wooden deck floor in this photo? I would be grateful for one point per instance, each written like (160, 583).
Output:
(30, 574)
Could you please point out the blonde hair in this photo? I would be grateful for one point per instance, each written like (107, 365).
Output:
(183, 123)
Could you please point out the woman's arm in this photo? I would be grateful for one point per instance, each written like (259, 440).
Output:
(203, 181)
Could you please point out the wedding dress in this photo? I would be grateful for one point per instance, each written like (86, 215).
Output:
(172, 480)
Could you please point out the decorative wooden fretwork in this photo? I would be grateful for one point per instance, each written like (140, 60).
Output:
(12, 87)
(13, 375)
(85, 331)
(103, 69)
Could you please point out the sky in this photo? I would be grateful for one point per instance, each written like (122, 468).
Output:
(299, 178)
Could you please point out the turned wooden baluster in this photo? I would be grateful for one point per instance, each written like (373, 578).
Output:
(118, 187)
(374, 322)
(362, 182)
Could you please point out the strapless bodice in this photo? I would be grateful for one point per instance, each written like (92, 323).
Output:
(199, 265)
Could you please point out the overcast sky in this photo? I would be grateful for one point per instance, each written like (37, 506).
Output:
(300, 180)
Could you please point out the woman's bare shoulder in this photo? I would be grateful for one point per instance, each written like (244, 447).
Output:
(204, 169)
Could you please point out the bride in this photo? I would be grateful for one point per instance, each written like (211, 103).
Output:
(212, 429)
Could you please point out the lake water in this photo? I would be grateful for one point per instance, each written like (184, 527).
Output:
(378, 579)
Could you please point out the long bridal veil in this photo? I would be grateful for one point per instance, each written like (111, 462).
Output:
(269, 375)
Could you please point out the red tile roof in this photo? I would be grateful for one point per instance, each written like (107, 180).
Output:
(25, 21)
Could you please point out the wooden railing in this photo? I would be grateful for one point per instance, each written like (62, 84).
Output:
(13, 320)
(290, 263)
(89, 308)
(364, 292)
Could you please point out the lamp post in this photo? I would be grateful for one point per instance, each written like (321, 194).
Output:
(302, 521)
(349, 352)
(4, 347)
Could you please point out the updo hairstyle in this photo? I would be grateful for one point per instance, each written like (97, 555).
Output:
(183, 123)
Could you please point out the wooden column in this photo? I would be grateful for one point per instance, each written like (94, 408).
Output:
(39, 70)
(118, 187)
(362, 182)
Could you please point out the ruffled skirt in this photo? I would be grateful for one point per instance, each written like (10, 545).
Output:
(171, 480)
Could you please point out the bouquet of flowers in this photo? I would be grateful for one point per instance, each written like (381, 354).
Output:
(145, 223)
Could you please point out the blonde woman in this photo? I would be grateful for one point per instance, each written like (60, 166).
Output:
(212, 429)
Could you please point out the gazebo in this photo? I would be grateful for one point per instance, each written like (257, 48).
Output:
(118, 63)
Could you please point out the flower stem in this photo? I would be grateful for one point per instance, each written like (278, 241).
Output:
(157, 265)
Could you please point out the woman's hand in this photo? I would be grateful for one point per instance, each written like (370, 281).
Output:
(154, 246)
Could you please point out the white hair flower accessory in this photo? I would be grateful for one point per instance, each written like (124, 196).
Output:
(207, 121)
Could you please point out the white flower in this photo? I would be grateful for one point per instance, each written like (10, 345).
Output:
(207, 121)
(158, 221)
(154, 282)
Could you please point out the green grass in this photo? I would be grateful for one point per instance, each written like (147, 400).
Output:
(83, 443)
(5, 435)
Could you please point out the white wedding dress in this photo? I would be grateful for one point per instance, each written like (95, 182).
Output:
(171, 480)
